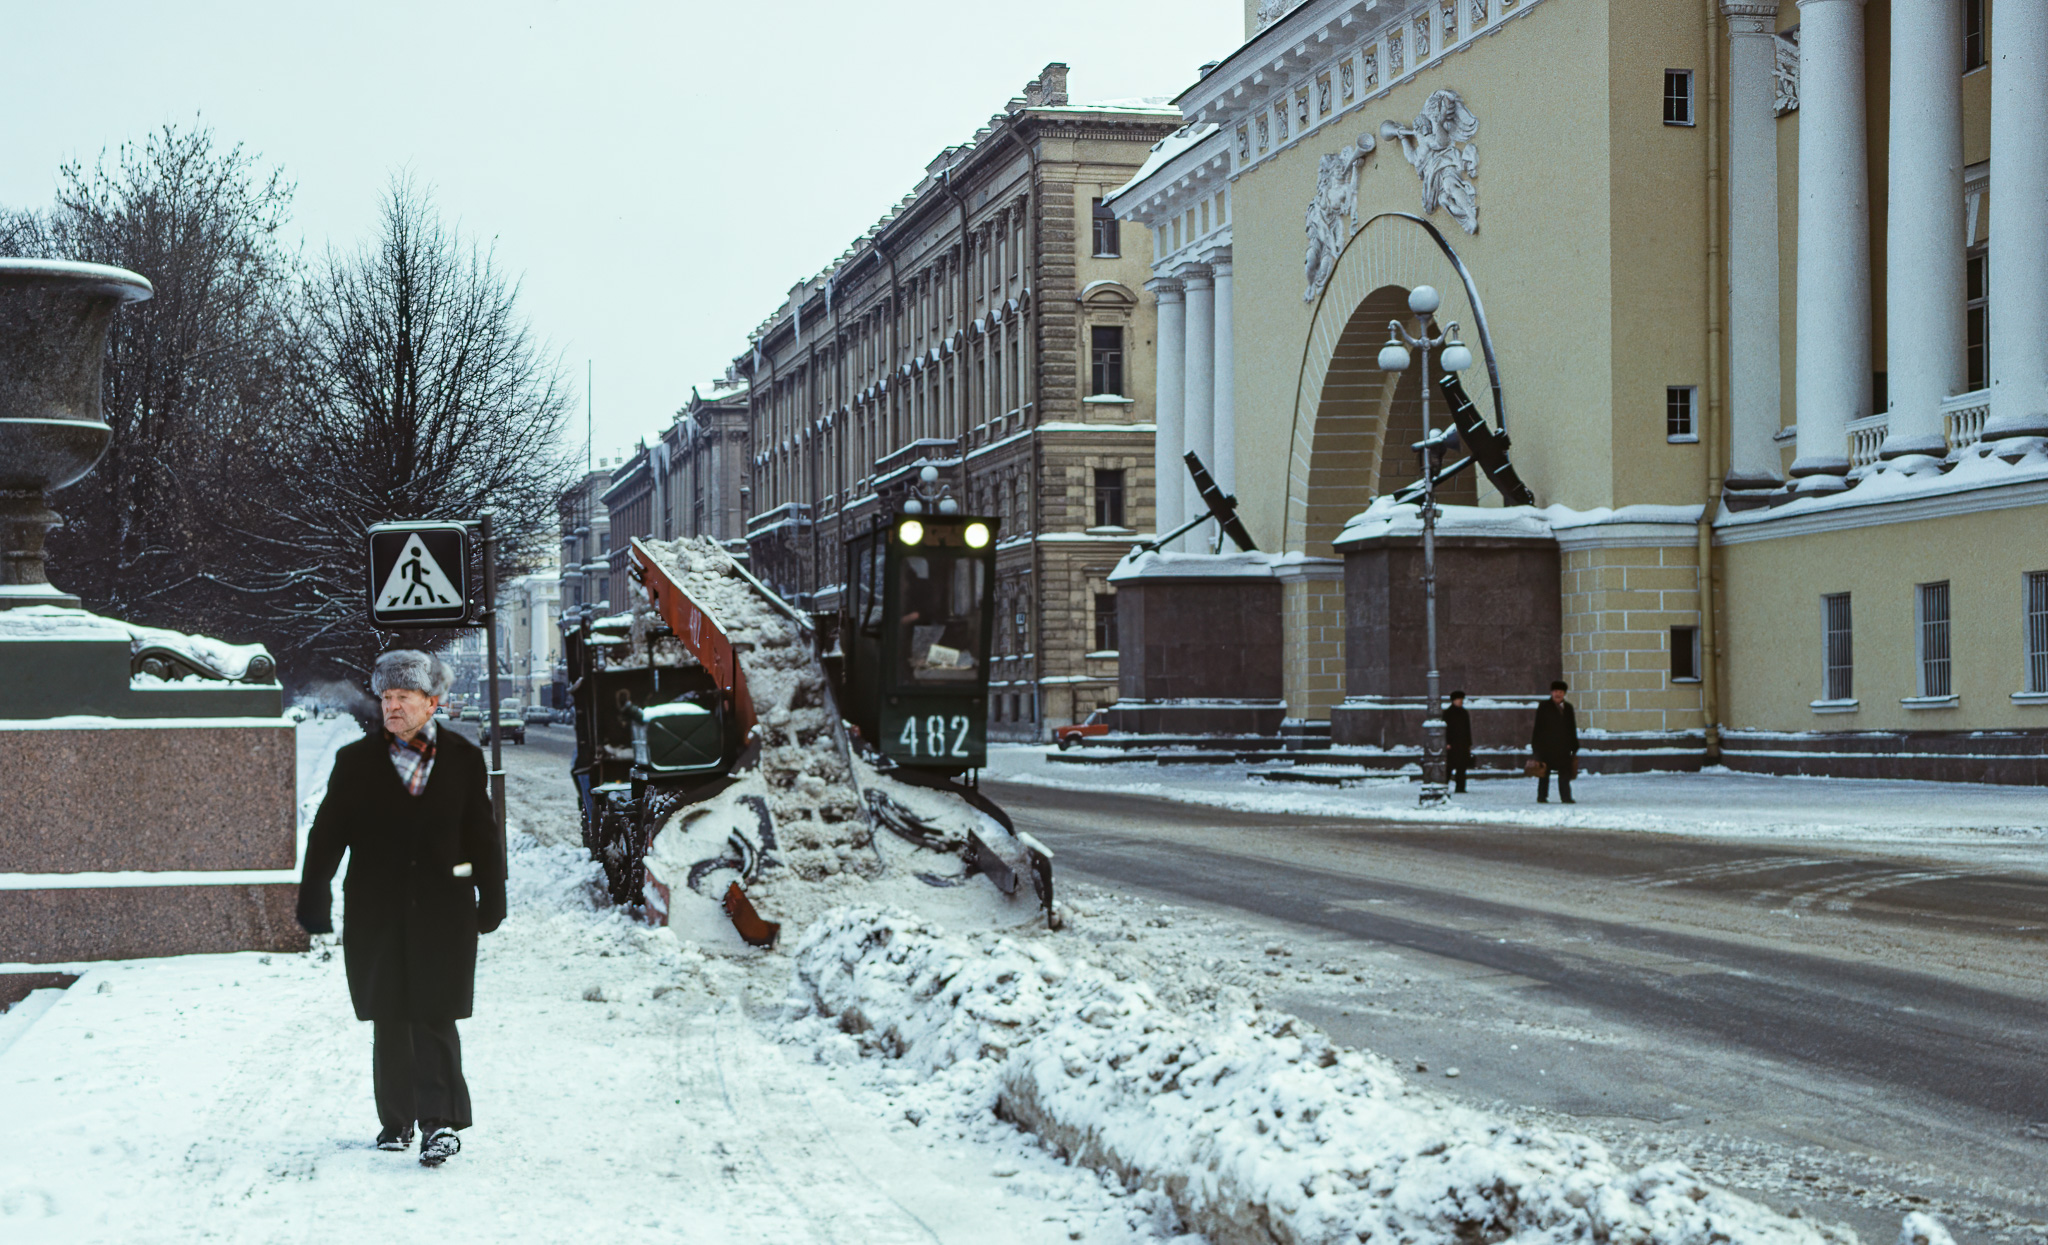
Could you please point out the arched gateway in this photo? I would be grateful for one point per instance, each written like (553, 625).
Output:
(1353, 424)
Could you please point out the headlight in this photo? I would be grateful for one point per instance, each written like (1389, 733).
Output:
(911, 531)
(977, 535)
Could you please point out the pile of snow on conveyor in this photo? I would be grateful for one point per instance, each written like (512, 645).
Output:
(822, 845)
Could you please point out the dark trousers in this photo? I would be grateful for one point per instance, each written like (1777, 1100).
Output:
(1563, 770)
(1458, 763)
(417, 1067)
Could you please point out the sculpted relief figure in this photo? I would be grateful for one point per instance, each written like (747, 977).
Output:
(1440, 147)
(1333, 213)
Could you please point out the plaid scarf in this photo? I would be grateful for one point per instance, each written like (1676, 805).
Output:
(413, 758)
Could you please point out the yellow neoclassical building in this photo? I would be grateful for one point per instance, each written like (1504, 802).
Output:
(1759, 292)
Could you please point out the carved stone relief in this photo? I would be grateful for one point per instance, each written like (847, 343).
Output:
(1478, 12)
(1264, 140)
(1394, 59)
(1787, 72)
(1372, 70)
(1450, 26)
(1244, 144)
(1271, 11)
(1347, 78)
(1421, 44)
(1440, 147)
(1280, 119)
(1301, 108)
(1323, 95)
(1332, 213)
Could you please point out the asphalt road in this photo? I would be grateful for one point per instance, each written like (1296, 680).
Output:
(1894, 1005)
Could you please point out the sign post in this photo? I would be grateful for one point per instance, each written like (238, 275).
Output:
(491, 665)
(419, 578)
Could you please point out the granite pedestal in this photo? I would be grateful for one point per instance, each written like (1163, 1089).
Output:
(1198, 646)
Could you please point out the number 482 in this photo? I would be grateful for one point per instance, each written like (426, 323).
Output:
(936, 728)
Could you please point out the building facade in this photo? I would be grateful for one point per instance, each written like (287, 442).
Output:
(530, 637)
(586, 553)
(1760, 284)
(990, 326)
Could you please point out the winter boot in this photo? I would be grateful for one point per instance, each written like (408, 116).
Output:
(395, 1138)
(438, 1146)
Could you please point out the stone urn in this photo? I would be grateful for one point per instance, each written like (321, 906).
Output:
(54, 317)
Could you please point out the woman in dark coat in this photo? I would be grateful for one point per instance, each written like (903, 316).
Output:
(412, 808)
(1555, 741)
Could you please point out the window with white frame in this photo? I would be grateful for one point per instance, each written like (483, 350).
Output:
(2037, 632)
(1680, 403)
(1678, 97)
(1838, 652)
(1933, 636)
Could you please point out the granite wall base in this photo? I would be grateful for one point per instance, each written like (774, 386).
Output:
(60, 926)
(131, 796)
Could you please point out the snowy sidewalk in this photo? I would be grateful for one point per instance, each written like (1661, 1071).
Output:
(1717, 803)
(623, 1083)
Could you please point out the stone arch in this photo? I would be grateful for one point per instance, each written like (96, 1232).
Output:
(1351, 430)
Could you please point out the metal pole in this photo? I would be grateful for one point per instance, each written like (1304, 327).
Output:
(1435, 788)
(490, 714)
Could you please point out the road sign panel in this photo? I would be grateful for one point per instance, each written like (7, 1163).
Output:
(419, 575)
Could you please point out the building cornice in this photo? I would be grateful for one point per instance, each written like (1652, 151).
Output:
(1740, 528)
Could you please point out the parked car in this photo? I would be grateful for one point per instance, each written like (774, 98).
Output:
(509, 726)
(472, 714)
(562, 717)
(1096, 723)
(536, 714)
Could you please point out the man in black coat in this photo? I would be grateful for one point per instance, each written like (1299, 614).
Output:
(1458, 740)
(411, 806)
(1555, 741)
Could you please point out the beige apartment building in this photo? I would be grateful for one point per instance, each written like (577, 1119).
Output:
(991, 325)
(1760, 290)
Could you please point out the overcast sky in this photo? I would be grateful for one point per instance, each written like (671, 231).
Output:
(660, 174)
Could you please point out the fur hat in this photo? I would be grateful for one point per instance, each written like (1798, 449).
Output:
(408, 668)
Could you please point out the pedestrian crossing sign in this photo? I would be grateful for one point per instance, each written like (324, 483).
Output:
(419, 575)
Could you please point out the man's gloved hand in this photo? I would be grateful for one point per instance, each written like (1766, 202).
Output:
(490, 915)
(316, 922)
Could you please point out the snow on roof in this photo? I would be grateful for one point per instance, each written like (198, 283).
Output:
(1160, 104)
(1387, 517)
(1159, 565)
(1979, 467)
(1167, 150)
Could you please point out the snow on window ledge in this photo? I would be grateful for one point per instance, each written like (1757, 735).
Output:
(1834, 706)
(1951, 701)
(1108, 399)
(2030, 698)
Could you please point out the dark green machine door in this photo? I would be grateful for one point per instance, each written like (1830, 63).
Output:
(938, 613)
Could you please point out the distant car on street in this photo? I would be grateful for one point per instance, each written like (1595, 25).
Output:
(510, 728)
(537, 714)
(563, 717)
(1096, 723)
(472, 714)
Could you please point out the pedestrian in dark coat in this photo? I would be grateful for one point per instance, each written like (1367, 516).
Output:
(411, 807)
(1458, 740)
(1555, 741)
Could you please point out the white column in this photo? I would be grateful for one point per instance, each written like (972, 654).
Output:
(1166, 405)
(2018, 251)
(1225, 466)
(1755, 404)
(1924, 243)
(1833, 382)
(1198, 395)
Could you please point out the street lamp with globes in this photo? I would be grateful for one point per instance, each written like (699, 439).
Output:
(1455, 357)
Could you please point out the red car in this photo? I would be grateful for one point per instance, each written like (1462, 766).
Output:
(1096, 723)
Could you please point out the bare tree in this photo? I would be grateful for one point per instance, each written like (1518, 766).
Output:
(416, 391)
(191, 376)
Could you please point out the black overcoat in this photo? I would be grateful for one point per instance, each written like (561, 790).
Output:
(410, 925)
(1555, 738)
(1458, 735)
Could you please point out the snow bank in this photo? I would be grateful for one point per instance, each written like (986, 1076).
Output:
(1254, 1125)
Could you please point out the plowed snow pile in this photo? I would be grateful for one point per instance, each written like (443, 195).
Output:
(1252, 1124)
(822, 847)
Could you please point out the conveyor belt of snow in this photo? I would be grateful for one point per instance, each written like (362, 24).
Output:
(1254, 1125)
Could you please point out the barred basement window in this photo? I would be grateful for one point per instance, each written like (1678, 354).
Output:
(1679, 404)
(1678, 97)
(1105, 622)
(2037, 632)
(1685, 654)
(1109, 497)
(1106, 239)
(1934, 641)
(1838, 653)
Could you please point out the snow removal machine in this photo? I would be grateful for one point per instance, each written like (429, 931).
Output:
(735, 753)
